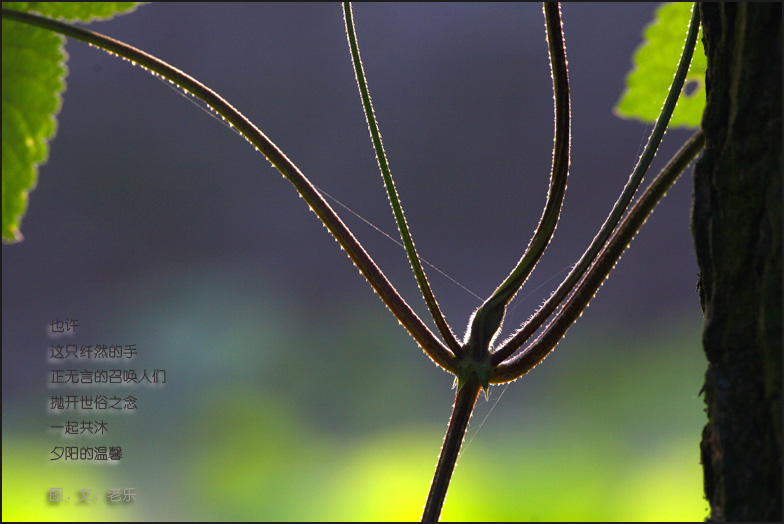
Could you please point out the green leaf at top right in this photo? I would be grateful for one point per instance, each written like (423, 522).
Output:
(654, 64)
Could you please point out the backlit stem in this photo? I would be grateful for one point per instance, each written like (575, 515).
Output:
(541, 316)
(523, 362)
(413, 324)
(461, 414)
(389, 184)
(489, 317)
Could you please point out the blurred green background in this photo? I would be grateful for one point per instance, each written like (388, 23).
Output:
(262, 420)
(292, 393)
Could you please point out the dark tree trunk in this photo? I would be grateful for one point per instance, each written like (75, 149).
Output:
(737, 224)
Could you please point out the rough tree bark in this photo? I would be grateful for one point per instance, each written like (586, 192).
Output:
(736, 222)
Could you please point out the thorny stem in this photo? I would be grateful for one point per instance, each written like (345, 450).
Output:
(529, 328)
(389, 184)
(461, 414)
(413, 324)
(600, 266)
(495, 305)
(488, 318)
(523, 362)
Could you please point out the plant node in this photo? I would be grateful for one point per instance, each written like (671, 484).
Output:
(474, 363)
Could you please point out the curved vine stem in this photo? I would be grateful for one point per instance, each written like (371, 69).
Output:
(389, 184)
(487, 320)
(523, 362)
(493, 309)
(524, 333)
(433, 347)
(474, 372)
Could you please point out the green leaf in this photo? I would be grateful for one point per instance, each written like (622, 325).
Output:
(33, 79)
(75, 11)
(654, 65)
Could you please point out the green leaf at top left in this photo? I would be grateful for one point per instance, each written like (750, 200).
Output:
(33, 79)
